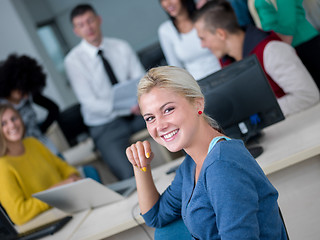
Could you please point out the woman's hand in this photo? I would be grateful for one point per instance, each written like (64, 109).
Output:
(140, 154)
(72, 178)
(286, 38)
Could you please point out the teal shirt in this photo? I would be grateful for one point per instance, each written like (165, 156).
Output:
(289, 19)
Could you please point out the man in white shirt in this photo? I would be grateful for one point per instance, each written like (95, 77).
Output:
(93, 86)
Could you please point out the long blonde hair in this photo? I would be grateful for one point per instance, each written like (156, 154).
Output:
(177, 80)
(3, 141)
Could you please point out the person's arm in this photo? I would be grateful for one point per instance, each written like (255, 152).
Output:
(285, 38)
(200, 3)
(286, 17)
(286, 69)
(140, 156)
(19, 207)
(72, 178)
(167, 34)
(156, 210)
(66, 171)
(50, 106)
(281, 18)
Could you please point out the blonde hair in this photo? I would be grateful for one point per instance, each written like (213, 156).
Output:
(177, 80)
(3, 141)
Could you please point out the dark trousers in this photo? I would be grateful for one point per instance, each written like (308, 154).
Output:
(309, 53)
(112, 139)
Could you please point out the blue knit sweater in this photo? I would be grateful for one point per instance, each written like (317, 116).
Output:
(233, 199)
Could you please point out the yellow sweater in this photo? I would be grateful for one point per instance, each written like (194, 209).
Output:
(21, 176)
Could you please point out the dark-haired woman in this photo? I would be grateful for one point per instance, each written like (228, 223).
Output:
(180, 43)
(21, 83)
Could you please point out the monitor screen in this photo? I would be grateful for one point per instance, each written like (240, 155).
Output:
(240, 98)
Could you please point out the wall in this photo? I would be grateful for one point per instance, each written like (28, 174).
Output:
(312, 8)
(18, 36)
(135, 21)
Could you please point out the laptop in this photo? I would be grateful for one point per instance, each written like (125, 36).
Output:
(83, 194)
(8, 231)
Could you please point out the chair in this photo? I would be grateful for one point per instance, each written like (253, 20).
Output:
(284, 223)
(174, 231)
(71, 123)
(177, 230)
(80, 148)
(152, 56)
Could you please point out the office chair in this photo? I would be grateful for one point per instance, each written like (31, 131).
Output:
(177, 230)
(284, 224)
(71, 123)
(173, 231)
(152, 56)
(75, 131)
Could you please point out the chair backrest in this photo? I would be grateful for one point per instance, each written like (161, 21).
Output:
(178, 230)
(71, 123)
(283, 223)
(173, 231)
(152, 56)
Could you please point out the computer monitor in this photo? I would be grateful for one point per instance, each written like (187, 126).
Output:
(240, 98)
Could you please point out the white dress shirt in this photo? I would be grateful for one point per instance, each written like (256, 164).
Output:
(90, 81)
(284, 66)
(184, 50)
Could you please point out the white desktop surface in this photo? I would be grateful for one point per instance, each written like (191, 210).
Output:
(70, 228)
(291, 141)
(114, 218)
(286, 143)
(46, 217)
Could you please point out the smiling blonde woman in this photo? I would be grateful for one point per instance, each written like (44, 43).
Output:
(219, 190)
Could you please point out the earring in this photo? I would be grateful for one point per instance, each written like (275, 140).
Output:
(199, 112)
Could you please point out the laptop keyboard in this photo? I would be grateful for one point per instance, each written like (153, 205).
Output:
(44, 230)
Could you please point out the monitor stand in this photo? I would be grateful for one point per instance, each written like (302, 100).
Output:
(255, 151)
(252, 144)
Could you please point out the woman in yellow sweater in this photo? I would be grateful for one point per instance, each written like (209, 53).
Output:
(26, 167)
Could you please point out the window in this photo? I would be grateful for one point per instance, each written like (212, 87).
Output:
(54, 44)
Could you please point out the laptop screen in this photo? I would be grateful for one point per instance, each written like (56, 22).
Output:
(7, 230)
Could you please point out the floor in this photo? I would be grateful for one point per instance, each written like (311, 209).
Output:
(299, 194)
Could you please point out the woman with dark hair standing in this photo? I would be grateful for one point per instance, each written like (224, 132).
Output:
(21, 83)
(180, 43)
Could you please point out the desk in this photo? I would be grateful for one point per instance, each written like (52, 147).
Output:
(287, 145)
(291, 141)
(114, 218)
(291, 161)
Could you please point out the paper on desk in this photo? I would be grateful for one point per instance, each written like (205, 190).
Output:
(125, 97)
